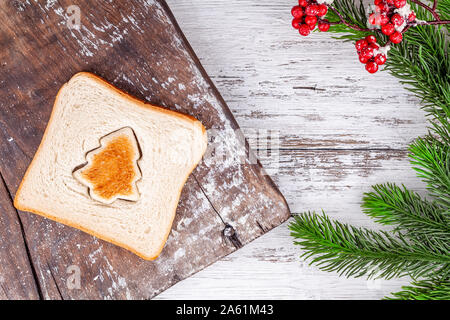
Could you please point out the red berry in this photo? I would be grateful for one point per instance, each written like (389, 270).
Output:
(383, 19)
(367, 53)
(322, 10)
(397, 19)
(371, 39)
(304, 30)
(399, 3)
(296, 23)
(391, 2)
(380, 59)
(361, 44)
(312, 9)
(297, 12)
(412, 17)
(374, 46)
(382, 7)
(363, 59)
(378, 2)
(311, 20)
(388, 29)
(396, 37)
(311, 26)
(373, 19)
(324, 26)
(372, 67)
(303, 3)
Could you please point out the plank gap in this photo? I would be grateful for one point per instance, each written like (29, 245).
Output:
(30, 260)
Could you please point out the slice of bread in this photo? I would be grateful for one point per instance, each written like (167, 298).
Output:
(99, 138)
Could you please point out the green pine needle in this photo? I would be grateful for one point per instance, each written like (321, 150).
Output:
(424, 290)
(351, 251)
(419, 245)
(389, 204)
(431, 161)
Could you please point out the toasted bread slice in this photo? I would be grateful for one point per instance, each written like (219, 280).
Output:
(111, 170)
(94, 130)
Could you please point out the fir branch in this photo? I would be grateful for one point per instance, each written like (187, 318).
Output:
(349, 11)
(424, 290)
(389, 204)
(351, 251)
(431, 160)
(419, 246)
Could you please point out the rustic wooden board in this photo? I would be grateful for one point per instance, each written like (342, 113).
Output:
(137, 46)
(16, 276)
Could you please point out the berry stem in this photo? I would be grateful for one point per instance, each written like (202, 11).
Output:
(435, 4)
(432, 11)
(435, 22)
(342, 21)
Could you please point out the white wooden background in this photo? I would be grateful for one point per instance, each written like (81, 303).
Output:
(341, 130)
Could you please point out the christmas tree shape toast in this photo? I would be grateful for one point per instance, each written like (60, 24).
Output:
(112, 170)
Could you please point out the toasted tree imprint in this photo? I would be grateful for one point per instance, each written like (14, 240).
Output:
(112, 170)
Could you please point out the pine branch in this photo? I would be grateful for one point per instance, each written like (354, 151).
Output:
(355, 14)
(431, 161)
(408, 212)
(352, 251)
(424, 290)
(419, 246)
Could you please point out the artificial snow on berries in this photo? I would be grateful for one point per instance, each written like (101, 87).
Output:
(392, 17)
(412, 17)
(370, 53)
(308, 14)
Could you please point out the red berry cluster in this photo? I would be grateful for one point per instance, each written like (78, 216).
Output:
(392, 20)
(369, 53)
(309, 14)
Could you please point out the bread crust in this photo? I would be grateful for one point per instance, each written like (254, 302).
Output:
(140, 103)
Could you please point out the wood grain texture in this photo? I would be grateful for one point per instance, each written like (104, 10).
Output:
(16, 273)
(138, 47)
(340, 131)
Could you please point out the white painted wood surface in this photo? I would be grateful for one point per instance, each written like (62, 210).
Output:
(341, 130)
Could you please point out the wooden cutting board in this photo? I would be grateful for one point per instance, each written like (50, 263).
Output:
(136, 45)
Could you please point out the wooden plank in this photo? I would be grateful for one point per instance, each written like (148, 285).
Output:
(138, 47)
(16, 273)
(311, 90)
(314, 95)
